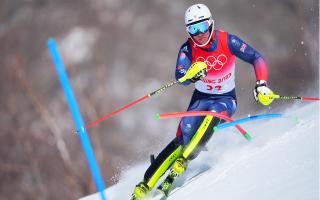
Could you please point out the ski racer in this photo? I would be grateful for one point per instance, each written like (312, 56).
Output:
(214, 91)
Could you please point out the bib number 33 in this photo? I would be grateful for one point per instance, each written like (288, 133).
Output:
(217, 87)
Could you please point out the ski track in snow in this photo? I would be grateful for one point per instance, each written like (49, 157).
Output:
(281, 162)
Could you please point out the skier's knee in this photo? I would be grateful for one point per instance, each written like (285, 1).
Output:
(187, 131)
(227, 106)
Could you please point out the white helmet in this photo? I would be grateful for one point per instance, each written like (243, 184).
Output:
(197, 13)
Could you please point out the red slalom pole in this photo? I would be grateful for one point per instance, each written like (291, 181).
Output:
(203, 113)
(130, 104)
(115, 112)
(194, 69)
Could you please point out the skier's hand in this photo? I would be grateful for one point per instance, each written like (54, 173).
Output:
(203, 73)
(262, 93)
(194, 71)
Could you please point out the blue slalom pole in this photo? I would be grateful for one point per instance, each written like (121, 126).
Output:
(72, 103)
(255, 117)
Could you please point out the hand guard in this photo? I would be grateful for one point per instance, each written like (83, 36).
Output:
(201, 74)
(262, 93)
(193, 71)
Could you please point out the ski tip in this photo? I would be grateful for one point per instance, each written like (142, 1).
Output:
(157, 116)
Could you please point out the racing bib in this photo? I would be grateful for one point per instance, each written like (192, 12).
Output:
(221, 66)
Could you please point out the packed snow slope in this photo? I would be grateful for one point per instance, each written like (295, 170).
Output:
(280, 163)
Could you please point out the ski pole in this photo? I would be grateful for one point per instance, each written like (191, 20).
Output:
(276, 96)
(192, 71)
(299, 98)
(131, 104)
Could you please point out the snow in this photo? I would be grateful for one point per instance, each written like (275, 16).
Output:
(281, 162)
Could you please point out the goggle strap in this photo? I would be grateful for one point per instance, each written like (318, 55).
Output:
(198, 22)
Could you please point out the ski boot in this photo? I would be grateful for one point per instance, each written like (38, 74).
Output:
(140, 191)
(178, 167)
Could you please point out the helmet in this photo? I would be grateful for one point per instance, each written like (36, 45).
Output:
(198, 13)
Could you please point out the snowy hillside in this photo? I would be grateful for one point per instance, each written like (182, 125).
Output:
(280, 163)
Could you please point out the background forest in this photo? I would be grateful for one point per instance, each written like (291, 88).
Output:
(116, 51)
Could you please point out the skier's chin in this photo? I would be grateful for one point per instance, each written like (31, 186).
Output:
(201, 42)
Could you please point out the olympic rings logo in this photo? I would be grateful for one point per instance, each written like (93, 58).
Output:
(213, 62)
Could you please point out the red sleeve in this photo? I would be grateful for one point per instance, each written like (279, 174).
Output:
(260, 68)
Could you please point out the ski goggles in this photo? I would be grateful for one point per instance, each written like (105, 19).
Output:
(197, 28)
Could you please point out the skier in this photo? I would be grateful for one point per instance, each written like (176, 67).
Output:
(214, 91)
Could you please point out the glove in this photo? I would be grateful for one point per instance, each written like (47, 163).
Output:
(201, 74)
(262, 93)
(193, 71)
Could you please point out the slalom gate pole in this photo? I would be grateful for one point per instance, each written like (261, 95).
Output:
(203, 113)
(246, 119)
(77, 118)
(194, 68)
(163, 88)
